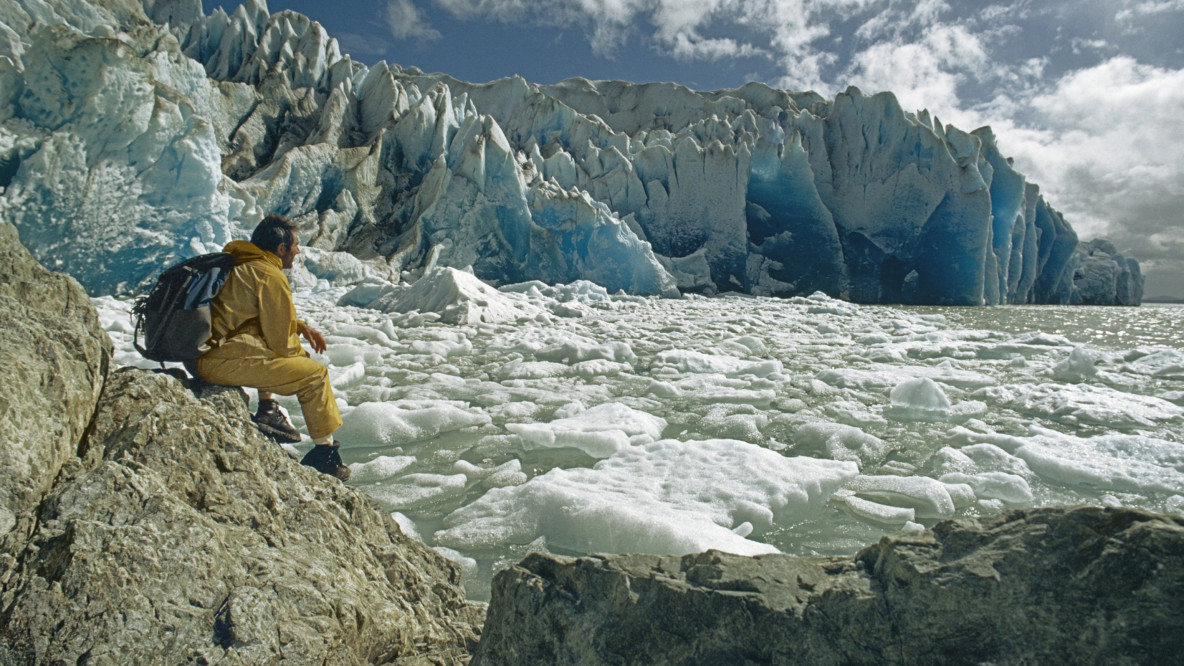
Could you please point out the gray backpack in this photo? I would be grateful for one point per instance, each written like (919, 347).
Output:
(174, 315)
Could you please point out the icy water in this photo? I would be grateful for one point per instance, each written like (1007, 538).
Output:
(596, 423)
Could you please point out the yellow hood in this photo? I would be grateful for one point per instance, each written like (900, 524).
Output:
(244, 251)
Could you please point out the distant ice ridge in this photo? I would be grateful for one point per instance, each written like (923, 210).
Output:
(649, 189)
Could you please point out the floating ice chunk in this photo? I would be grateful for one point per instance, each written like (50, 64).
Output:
(599, 368)
(444, 348)
(896, 516)
(716, 389)
(1165, 363)
(690, 361)
(382, 467)
(575, 351)
(415, 490)
(995, 458)
(1079, 367)
(406, 525)
(1043, 339)
(507, 474)
(994, 485)
(662, 389)
(742, 422)
(871, 339)
(883, 378)
(663, 497)
(339, 268)
(961, 493)
(820, 303)
(341, 377)
(841, 442)
(468, 565)
(744, 345)
(1118, 463)
(1083, 404)
(400, 422)
(460, 298)
(353, 333)
(519, 369)
(578, 291)
(530, 339)
(919, 400)
(1174, 504)
(853, 413)
(600, 431)
(367, 294)
(930, 497)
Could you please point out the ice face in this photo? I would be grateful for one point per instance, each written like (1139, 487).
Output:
(158, 142)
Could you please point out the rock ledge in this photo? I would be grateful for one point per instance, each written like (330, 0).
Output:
(1045, 586)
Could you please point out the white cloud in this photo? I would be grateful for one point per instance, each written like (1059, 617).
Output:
(925, 73)
(405, 21)
(1152, 8)
(894, 20)
(1109, 153)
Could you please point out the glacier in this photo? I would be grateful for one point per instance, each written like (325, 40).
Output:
(134, 133)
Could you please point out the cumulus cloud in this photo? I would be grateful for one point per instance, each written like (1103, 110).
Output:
(1108, 151)
(925, 73)
(406, 22)
(1152, 8)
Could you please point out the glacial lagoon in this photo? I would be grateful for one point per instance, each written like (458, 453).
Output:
(566, 419)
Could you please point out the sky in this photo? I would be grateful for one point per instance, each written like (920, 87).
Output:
(1087, 96)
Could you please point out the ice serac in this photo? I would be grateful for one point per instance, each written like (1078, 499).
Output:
(1104, 277)
(202, 123)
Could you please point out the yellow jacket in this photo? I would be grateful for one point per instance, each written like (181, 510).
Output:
(254, 315)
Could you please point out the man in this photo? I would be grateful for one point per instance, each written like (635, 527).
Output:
(256, 343)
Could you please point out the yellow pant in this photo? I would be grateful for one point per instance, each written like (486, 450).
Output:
(301, 376)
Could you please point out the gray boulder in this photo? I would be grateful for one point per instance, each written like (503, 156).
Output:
(178, 535)
(52, 363)
(1045, 586)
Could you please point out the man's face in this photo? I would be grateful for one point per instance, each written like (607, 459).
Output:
(288, 251)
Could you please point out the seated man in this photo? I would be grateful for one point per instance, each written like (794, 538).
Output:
(255, 343)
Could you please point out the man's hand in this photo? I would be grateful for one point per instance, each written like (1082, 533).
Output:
(314, 338)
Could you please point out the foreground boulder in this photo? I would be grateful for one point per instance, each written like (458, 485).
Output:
(143, 520)
(179, 536)
(53, 360)
(1046, 586)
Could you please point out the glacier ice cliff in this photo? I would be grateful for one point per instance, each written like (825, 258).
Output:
(133, 133)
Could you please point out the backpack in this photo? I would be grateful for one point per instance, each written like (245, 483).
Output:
(175, 315)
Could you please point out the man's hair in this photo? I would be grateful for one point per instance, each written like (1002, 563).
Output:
(275, 230)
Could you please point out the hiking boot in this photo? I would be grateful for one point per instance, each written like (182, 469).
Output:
(325, 459)
(273, 424)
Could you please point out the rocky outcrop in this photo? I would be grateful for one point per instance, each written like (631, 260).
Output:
(152, 524)
(1046, 586)
(52, 363)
